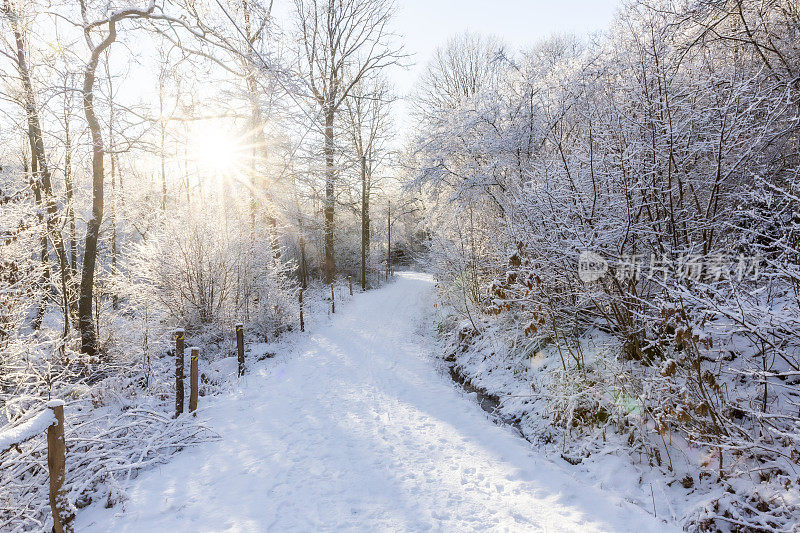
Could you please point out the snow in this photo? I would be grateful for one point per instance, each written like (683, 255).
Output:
(221, 370)
(11, 436)
(355, 428)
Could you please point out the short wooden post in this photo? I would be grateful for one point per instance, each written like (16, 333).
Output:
(56, 463)
(333, 300)
(350, 280)
(193, 379)
(240, 347)
(179, 390)
(302, 324)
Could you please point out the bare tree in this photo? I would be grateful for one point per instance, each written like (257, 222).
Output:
(341, 41)
(39, 160)
(369, 126)
(458, 70)
(86, 298)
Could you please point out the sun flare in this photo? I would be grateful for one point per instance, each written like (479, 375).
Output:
(217, 149)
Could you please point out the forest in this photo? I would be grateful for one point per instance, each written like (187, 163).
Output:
(611, 221)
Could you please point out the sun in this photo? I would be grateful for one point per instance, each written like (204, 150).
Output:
(217, 150)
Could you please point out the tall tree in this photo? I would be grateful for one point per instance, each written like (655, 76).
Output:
(341, 41)
(368, 125)
(86, 298)
(39, 160)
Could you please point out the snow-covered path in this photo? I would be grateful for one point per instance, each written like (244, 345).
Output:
(356, 430)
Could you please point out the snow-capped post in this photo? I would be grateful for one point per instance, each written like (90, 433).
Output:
(193, 378)
(302, 324)
(240, 347)
(350, 280)
(56, 462)
(333, 301)
(52, 421)
(179, 393)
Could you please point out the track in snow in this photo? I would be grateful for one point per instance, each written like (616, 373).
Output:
(356, 430)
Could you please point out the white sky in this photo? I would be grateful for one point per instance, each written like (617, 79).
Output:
(426, 24)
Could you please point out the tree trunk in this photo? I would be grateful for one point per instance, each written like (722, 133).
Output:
(69, 302)
(255, 183)
(303, 265)
(364, 222)
(44, 281)
(114, 244)
(389, 243)
(85, 319)
(113, 160)
(330, 177)
(38, 153)
(69, 188)
(162, 125)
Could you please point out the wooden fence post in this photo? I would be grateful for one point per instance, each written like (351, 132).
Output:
(240, 347)
(193, 379)
(179, 391)
(350, 280)
(302, 324)
(56, 462)
(333, 301)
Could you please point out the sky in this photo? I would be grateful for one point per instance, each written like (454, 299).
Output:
(423, 25)
(426, 24)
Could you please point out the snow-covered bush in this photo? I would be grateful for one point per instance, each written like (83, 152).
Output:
(112, 432)
(21, 230)
(658, 148)
(199, 272)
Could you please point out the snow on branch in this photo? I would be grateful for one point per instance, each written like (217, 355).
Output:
(16, 435)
